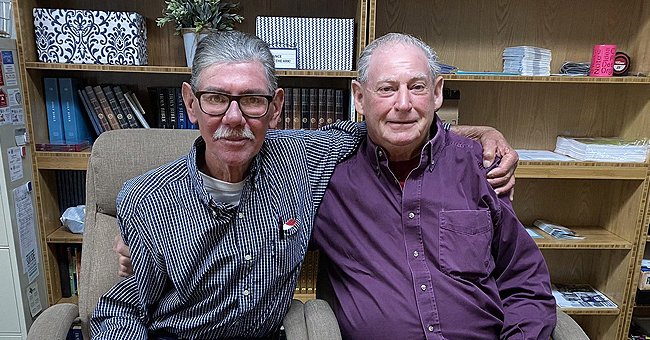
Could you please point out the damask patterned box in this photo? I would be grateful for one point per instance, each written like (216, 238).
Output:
(90, 37)
(322, 43)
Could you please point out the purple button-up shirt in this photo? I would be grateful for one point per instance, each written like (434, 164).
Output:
(442, 258)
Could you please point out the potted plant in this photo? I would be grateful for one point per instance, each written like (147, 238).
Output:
(193, 18)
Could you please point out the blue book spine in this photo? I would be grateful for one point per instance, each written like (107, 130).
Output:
(74, 121)
(54, 114)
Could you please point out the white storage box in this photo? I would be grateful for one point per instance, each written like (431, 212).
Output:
(322, 43)
(90, 37)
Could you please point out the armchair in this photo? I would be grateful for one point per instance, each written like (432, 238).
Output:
(117, 156)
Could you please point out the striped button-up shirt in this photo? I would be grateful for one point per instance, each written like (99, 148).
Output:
(205, 269)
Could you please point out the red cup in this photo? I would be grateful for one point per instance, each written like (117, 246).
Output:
(602, 61)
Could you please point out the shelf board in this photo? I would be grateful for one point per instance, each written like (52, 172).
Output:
(591, 311)
(63, 235)
(547, 79)
(582, 170)
(595, 238)
(73, 299)
(173, 70)
(49, 160)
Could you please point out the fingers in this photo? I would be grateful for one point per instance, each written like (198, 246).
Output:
(489, 152)
(120, 248)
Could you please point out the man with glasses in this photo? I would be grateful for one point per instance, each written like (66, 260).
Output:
(217, 237)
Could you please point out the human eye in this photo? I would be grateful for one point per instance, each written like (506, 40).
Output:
(419, 88)
(386, 90)
(253, 101)
(214, 98)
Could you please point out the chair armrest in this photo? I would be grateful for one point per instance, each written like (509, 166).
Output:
(567, 329)
(54, 322)
(321, 321)
(294, 324)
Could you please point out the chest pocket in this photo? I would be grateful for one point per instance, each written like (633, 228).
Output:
(465, 241)
(288, 251)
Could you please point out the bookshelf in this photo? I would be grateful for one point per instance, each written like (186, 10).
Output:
(607, 202)
(166, 68)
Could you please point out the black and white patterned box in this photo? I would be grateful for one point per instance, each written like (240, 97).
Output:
(90, 37)
(322, 43)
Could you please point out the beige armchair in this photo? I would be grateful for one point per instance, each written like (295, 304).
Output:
(117, 156)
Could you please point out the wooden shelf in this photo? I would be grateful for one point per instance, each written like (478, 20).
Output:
(63, 235)
(582, 170)
(47, 160)
(547, 79)
(594, 238)
(591, 311)
(73, 299)
(33, 65)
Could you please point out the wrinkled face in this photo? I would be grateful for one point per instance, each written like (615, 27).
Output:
(399, 99)
(232, 139)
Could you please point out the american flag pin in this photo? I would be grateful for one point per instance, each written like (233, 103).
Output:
(289, 224)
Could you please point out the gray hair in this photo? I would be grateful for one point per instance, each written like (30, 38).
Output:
(233, 47)
(394, 39)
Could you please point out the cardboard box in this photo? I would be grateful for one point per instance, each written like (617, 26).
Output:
(90, 37)
(321, 43)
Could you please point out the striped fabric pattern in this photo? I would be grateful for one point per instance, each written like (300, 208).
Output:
(204, 269)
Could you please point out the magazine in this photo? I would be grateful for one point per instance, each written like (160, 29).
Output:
(557, 231)
(580, 296)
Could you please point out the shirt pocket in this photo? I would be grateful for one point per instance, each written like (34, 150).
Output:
(465, 241)
(290, 249)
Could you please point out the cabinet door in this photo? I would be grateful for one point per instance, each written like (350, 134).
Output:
(9, 306)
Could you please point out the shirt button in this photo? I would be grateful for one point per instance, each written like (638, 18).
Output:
(247, 257)
(246, 292)
(416, 254)
(241, 215)
(423, 287)
(430, 328)
(411, 215)
(380, 153)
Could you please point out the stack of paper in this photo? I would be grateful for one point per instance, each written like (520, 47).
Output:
(580, 296)
(556, 230)
(603, 149)
(542, 155)
(527, 60)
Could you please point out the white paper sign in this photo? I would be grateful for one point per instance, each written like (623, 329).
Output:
(15, 163)
(34, 299)
(26, 230)
(17, 116)
(15, 97)
(10, 75)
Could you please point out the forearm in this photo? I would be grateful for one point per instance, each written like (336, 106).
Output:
(117, 315)
(523, 281)
(470, 131)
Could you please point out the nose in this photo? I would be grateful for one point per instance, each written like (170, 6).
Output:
(403, 99)
(233, 116)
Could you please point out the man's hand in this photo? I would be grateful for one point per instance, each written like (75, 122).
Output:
(125, 268)
(502, 178)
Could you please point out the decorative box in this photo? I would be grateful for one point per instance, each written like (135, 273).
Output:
(322, 43)
(90, 37)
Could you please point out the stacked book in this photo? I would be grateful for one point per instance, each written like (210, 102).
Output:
(527, 61)
(556, 230)
(603, 149)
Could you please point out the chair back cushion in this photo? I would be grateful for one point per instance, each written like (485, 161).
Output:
(116, 157)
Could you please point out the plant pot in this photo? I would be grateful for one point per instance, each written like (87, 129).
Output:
(191, 39)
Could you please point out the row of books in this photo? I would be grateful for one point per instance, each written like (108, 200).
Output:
(73, 110)
(308, 274)
(71, 188)
(69, 258)
(168, 108)
(312, 108)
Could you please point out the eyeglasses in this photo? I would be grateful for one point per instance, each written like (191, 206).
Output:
(250, 105)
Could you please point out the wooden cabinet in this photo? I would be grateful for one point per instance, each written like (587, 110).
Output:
(606, 202)
(166, 68)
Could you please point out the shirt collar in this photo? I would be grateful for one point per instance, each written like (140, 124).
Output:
(430, 152)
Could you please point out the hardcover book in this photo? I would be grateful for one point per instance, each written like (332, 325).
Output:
(106, 108)
(115, 106)
(74, 121)
(54, 113)
(94, 103)
(90, 112)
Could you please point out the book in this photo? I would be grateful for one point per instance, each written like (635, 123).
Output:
(297, 109)
(126, 109)
(63, 147)
(115, 107)
(330, 103)
(313, 109)
(603, 149)
(139, 114)
(339, 114)
(304, 109)
(557, 231)
(54, 113)
(85, 103)
(322, 107)
(170, 100)
(97, 108)
(288, 108)
(580, 296)
(542, 155)
(181, 112)
(532, 233)
(106, 108)
(64, 279)
(74, 120)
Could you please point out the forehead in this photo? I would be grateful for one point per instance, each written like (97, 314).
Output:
(398, 60)
(236, 76)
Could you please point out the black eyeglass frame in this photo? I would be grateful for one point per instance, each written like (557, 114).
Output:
(232, 97)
